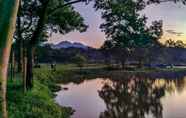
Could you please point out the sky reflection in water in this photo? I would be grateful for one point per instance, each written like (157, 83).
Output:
(134, 97)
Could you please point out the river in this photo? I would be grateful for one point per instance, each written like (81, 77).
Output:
(134, 96)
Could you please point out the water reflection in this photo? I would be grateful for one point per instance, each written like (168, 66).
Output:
(134, 98)
(129, 96)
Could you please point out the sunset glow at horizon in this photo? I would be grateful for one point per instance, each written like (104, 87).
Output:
(173, 16)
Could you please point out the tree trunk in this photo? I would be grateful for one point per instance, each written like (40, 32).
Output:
(12, 64)
(33, 56)
(24, 73)
(32, 43)
(20, 56)
(19, 44)
(8, 9)
(29, 69)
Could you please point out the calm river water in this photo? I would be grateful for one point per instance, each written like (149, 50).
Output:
(133, 96)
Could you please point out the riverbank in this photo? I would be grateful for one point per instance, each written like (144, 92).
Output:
(39, 102)
(70, 72)
(73, 67)
(36, 103)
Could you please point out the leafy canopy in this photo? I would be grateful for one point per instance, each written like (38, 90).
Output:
(125, 26)
(57, 17)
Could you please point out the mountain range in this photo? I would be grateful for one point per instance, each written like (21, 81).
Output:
(67, 44)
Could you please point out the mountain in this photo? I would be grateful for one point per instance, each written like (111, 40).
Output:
(67, 44)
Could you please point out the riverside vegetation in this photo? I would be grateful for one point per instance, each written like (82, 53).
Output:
(38, 102)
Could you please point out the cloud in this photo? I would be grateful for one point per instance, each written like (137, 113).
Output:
(173, 32)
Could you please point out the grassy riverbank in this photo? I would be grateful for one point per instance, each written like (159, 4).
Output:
(36, 103)
(39, 102)
(106, 67)
(65, 69)
(69, 72)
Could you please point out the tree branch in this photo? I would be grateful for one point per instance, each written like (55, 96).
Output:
(164, 1)
(62, 6)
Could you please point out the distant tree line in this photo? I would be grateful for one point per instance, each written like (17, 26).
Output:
(176, 44)
(139, 56)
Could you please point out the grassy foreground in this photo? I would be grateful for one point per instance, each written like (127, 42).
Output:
(36, 103)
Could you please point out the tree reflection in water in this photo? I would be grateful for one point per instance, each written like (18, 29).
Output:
(132, 98)
(136, 96)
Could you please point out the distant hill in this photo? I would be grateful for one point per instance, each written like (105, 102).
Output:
(67, 44)
(63, 51)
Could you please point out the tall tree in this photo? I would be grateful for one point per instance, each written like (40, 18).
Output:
(126, 27)
(8, 15)
(40, 17)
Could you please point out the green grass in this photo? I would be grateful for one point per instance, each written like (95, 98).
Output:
(64, 68)
(36, 103)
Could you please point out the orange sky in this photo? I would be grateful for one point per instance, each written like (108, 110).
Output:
(173, 16)
(174, 19)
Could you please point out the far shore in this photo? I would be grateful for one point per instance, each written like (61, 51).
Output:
(71, 71)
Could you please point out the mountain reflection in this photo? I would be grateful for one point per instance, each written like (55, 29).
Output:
(137, 97)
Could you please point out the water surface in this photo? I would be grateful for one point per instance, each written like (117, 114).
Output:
(128, 97)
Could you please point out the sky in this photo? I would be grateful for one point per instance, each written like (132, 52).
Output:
(173, 16)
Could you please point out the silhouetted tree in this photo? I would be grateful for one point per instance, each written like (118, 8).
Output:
(125, 28)
(37, 18)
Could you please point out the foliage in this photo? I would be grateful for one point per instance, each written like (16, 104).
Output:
(176, 44)
(79, 60)
(124, 25)
(126, 29)
(37, 20)
(37, 103)
(63, 20)
(47, 54)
